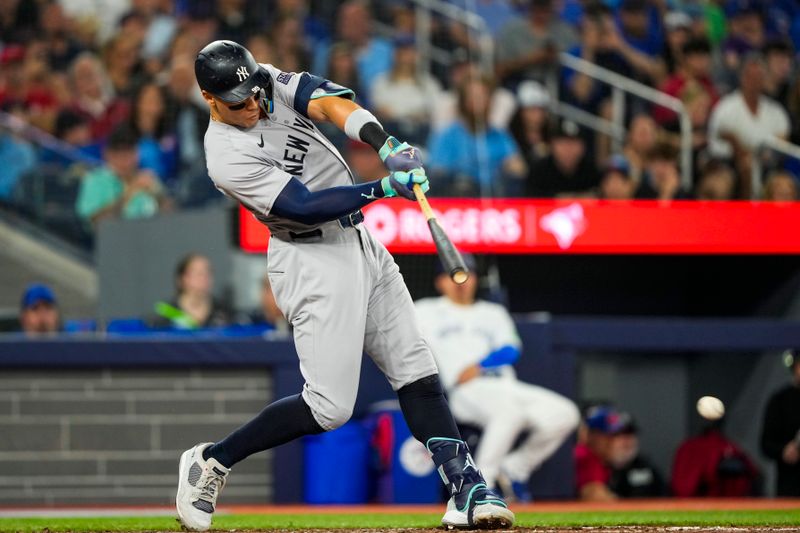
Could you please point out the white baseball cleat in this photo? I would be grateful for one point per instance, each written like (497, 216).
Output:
(199, 484)
(487, 515)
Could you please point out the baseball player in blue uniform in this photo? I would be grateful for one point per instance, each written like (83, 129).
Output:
(335, 283)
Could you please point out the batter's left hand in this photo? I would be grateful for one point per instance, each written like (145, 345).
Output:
(399, 156)
(402, 183)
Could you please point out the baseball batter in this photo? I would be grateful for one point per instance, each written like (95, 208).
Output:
(475, 343)
(338, 286)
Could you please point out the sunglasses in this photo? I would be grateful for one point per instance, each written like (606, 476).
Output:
(241, 105)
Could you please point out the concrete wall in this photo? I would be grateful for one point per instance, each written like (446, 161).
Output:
(136, 259)
(113, 436)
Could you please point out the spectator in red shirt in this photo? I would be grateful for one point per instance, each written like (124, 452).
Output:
(710, 464)
(694, 70)
(592, 456)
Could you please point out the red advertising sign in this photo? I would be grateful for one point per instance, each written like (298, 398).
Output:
(516, 226)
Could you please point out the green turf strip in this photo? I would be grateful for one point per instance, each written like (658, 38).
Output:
(343, 520)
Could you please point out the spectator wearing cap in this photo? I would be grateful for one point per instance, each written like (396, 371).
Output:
(616, 182)
(403, 98)
(39, 314)
(780, 430)
(120, 188)
(692, 76)
(528, 47)
(473, 157)
(742, 120)
(677, 32)
(594, 451)
(529, 122)
(568, 170)
(633, 475)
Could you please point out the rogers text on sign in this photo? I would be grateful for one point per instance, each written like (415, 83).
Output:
(522, 226)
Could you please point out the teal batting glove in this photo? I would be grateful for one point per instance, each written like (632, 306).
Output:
(402, 183)
(399, 156)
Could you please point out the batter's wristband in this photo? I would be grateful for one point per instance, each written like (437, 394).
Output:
(390, 144)
(388, 190)
(356, 121)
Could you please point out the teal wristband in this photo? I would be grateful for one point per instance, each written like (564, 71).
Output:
(390, 144)
(388, 190)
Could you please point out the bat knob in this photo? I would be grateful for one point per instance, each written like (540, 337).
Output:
(460, 276)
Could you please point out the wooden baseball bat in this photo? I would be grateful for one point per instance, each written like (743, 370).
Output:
(451, 260)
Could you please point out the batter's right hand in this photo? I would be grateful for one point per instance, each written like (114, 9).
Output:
(402, 183)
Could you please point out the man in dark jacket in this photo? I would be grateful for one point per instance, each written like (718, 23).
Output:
(780, 435)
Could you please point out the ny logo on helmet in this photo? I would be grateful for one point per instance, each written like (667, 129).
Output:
(242, 73)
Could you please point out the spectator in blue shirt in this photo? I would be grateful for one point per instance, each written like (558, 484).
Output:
(373, 55)
(603, 45)
(473, 157)
(18, 157)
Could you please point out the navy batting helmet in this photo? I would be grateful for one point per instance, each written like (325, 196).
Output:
(230, 72)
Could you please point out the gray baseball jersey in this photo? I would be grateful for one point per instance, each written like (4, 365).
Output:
(254, 165)
(341, 290)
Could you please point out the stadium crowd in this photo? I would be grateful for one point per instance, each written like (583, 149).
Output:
(118, 120)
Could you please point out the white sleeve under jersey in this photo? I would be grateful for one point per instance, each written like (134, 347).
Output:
(461, 336)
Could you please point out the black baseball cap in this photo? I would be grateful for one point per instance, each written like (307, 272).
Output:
(564, 128)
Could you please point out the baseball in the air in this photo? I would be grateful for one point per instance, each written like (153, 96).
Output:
(710, 408)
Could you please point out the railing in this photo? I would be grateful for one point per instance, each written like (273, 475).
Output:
(621, 85)
(424, 10)
(769, 143)
(45, 193)
(43, 139)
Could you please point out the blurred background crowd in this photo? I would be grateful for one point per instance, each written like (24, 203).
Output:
(101, 115)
